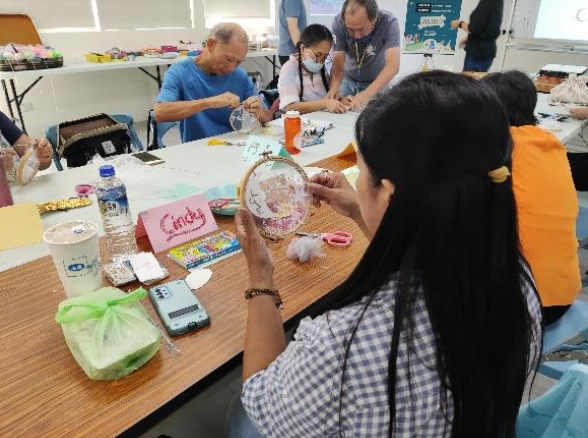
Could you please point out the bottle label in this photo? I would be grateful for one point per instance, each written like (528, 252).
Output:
(297, 142)
(113, 203)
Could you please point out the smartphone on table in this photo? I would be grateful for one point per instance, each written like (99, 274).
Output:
(179, 310)
(148, 158)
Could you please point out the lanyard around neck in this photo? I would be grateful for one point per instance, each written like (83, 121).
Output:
(360, 60)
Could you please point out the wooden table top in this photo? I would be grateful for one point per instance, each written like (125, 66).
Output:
(44, 393)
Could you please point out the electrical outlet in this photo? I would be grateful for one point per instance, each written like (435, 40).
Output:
(26, 107)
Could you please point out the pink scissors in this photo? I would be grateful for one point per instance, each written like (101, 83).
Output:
(337, 238)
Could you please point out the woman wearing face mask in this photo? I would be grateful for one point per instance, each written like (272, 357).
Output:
(303, 83)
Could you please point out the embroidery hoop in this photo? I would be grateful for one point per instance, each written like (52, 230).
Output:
(245, 118)
(266, 225)
(28, 166)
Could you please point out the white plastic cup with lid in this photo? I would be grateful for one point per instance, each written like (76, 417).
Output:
(75, 250)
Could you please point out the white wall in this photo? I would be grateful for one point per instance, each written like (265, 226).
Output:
(532, 61)
(130, 91)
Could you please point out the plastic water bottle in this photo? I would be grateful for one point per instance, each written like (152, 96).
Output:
(116, 215)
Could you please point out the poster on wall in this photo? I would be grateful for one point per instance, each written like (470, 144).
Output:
(325, 7)
(428, 27)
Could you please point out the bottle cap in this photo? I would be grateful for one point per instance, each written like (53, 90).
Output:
(106, 171)
(292, 113)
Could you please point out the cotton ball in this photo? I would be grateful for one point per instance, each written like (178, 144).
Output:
(305, 248)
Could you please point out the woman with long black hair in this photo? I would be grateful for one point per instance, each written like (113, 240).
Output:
(437, 330)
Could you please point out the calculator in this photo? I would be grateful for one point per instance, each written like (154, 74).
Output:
(179, 310)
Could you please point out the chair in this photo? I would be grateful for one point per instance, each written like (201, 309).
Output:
(51, 136)
(271, 101)
(257, 79)
(126, 119)
(562, 412)
(157, 130)
(565, 342)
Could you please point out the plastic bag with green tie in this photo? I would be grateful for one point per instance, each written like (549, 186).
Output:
(108, 332)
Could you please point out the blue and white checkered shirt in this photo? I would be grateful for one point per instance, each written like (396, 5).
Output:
(298, 395)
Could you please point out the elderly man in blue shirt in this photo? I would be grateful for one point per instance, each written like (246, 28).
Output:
(202, 92)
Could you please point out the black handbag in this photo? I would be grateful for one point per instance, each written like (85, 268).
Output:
(80, 140)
